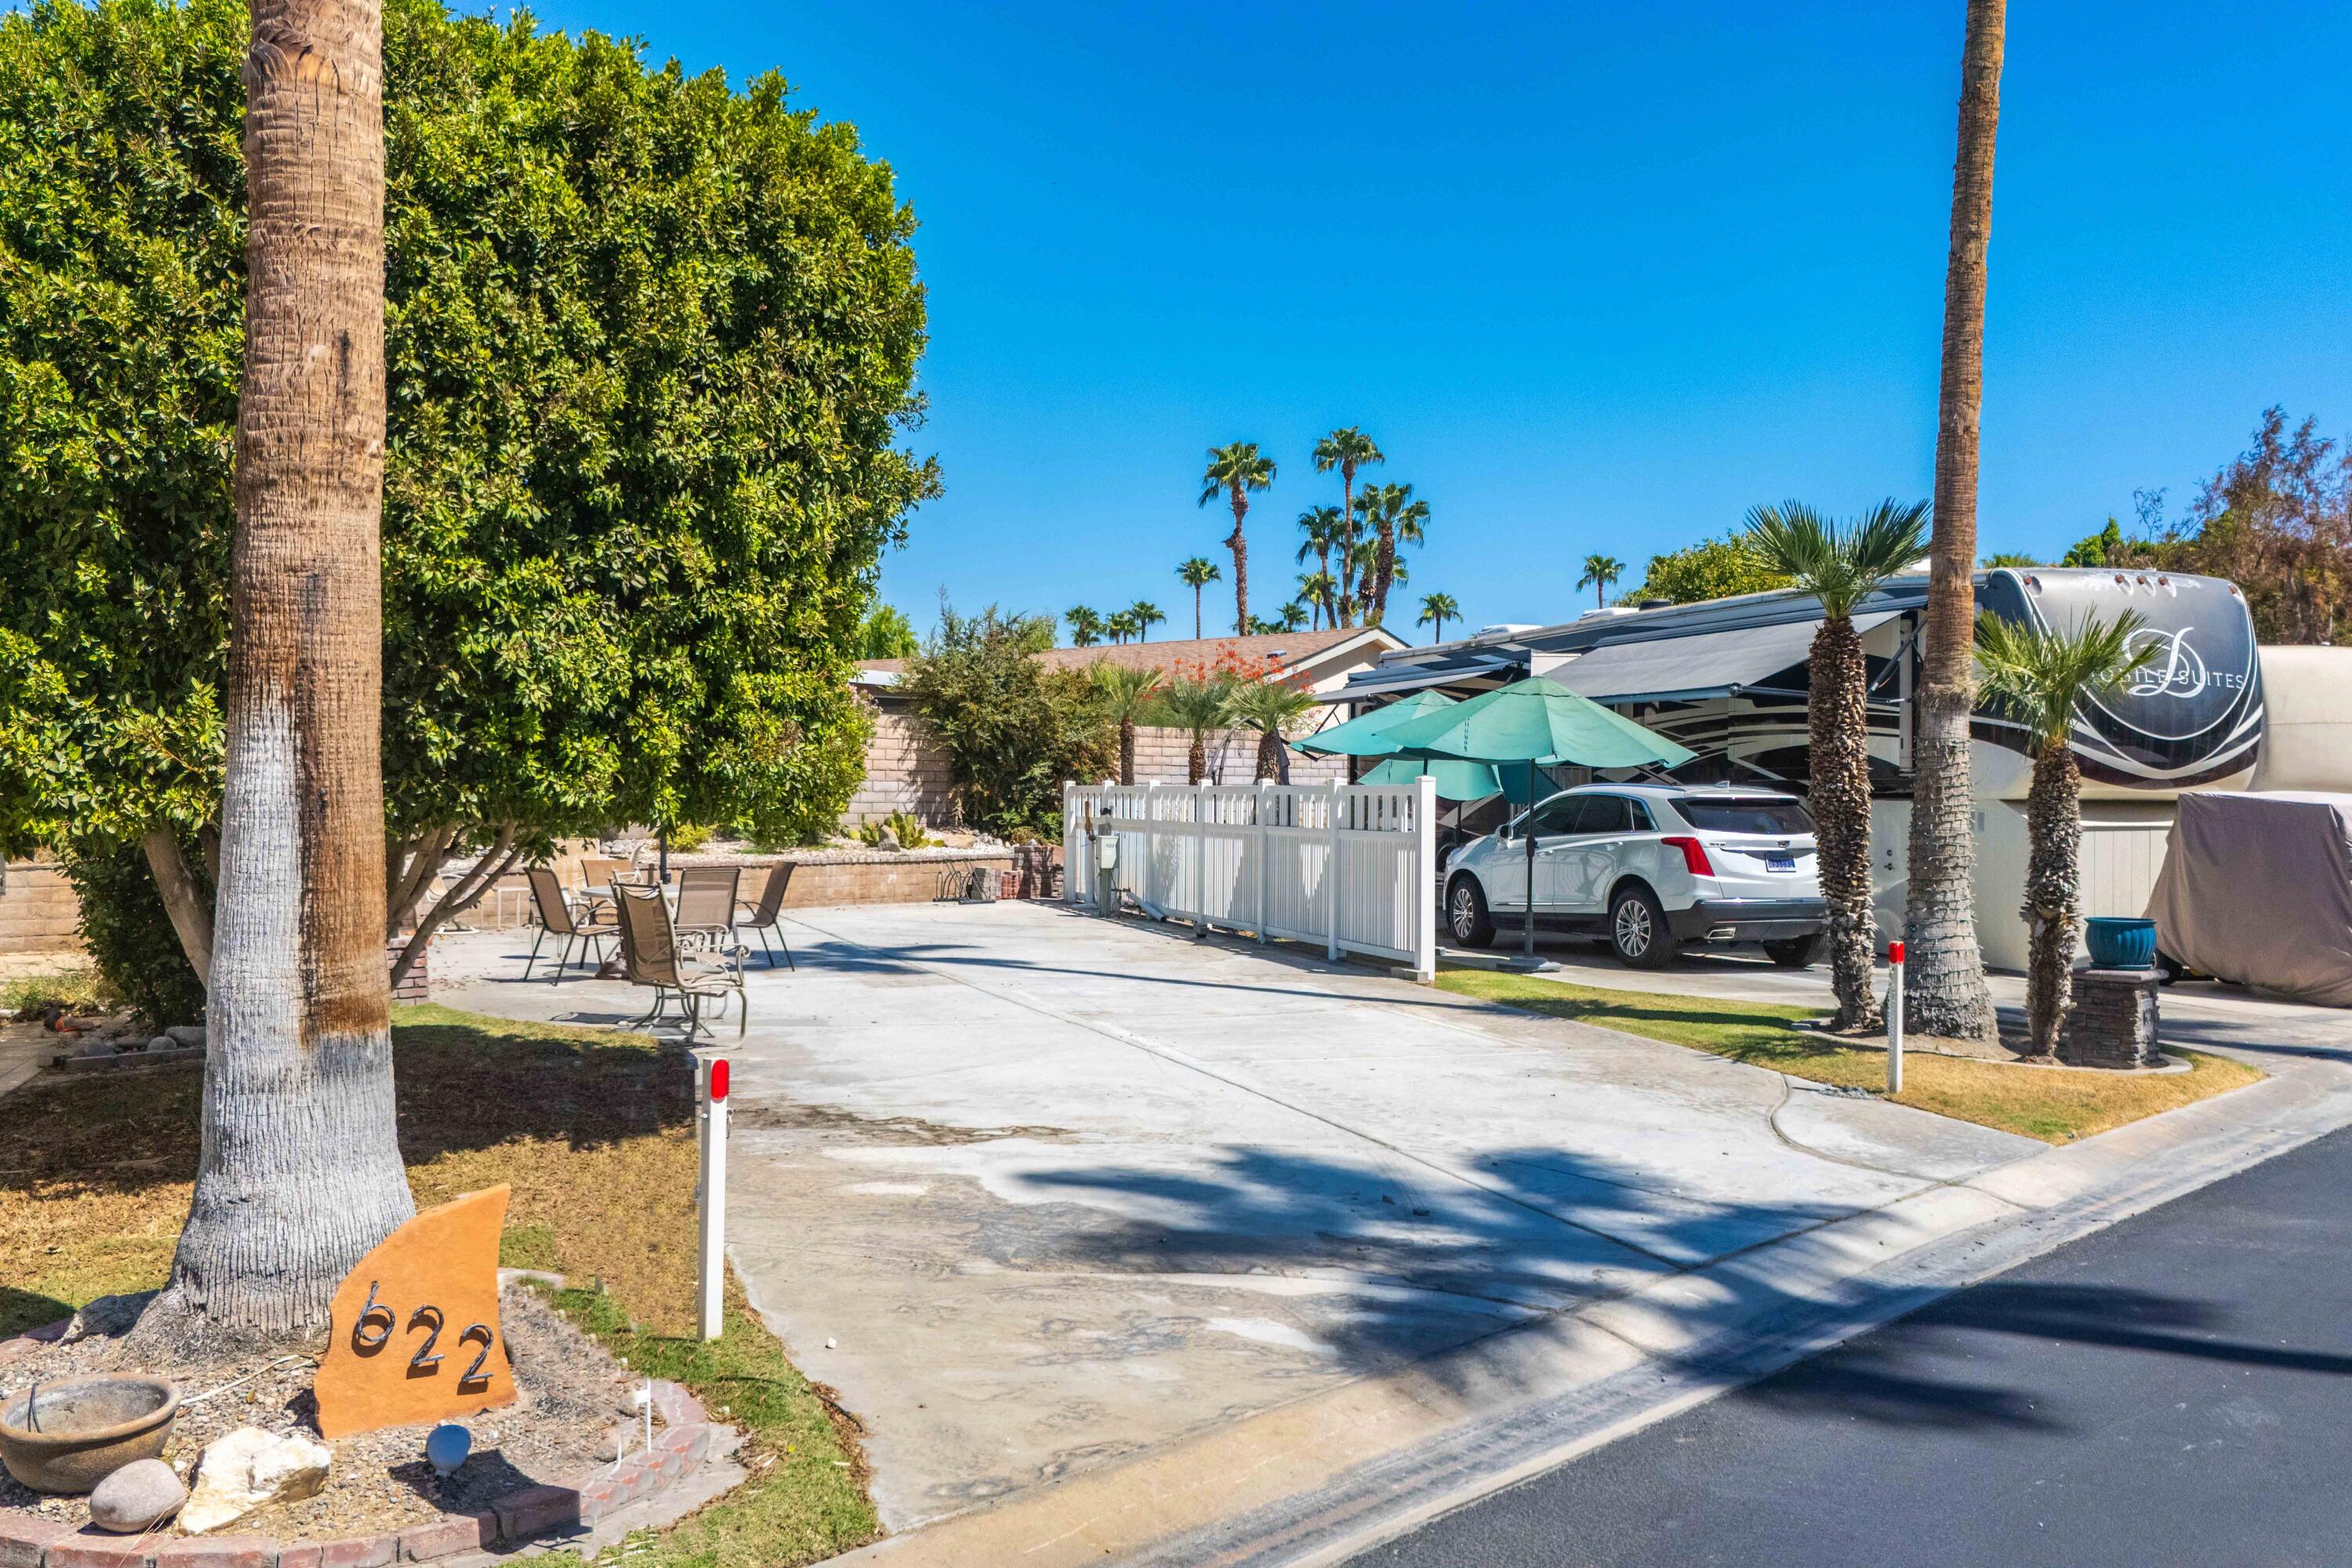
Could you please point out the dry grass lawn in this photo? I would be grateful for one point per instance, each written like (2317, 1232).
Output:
(594, 1132)
(2055, 1105)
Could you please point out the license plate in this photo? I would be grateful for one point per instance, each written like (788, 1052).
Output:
(1780, 863)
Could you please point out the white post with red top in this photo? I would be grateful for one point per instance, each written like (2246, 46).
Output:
(1895, 1020)
(711, 1197)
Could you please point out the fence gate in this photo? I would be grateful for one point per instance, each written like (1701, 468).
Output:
(1353, 867)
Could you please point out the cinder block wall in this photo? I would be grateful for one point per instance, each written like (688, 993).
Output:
(38, 911)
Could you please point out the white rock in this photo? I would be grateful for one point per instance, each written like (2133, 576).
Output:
(187, 1034)
(141, 1493)
(614, 1443)
(250, 1468)
(163, 1043)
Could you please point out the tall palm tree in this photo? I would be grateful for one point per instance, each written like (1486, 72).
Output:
(1326, 530)
(1321, 590)
(1233, 471)
(1347, 450)
(1196, 707)
(1394, 516)
(1599, 571)
(1085, 625)
(1944, 981)
(1269, 707)
(1436, 609)
(1196, 574)
(1120, 625)
(1294, 616)
(300, 1172)
(2040, 676)
(1840, 565)
(1127, 694)
(1146, 615)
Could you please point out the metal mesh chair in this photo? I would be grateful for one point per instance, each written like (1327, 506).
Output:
(586, 928)
(706, 905)
(651, 955)
(762, 918)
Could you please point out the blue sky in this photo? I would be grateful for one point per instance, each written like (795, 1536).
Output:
(1596, 277)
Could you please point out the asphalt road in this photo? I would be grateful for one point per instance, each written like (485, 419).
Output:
(2176, 1389)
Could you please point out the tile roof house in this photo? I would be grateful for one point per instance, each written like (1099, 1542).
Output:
(1319, 660)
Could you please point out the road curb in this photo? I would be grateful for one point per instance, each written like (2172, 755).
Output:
(1331, 1476)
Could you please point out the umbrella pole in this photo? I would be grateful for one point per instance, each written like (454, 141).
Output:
(1530, 934)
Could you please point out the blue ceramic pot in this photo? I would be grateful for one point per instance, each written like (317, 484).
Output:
(2119, 943)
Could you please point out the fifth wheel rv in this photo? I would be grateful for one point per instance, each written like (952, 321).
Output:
(1727, 679)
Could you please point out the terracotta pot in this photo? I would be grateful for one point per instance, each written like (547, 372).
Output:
(70, 1435)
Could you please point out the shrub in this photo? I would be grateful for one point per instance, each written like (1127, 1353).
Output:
(688, 837)
(123, 922)
(1012, 729)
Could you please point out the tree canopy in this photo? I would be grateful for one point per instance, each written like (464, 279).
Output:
(1711, 569)
(650, 341)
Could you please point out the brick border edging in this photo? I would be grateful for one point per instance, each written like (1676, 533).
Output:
(686, 1437)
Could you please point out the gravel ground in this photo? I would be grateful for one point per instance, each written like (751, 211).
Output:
(570, 1394)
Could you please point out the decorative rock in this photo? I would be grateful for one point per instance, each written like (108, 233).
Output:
(249, 1469)
(163, 1043)
(186, 1034)
(141, 1493)
(614, 1444)
(106, 1315)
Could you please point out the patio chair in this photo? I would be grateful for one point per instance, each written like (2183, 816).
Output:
(706, 905)
(603, 871)
(587, 928)
(651, 955)
(762, 918)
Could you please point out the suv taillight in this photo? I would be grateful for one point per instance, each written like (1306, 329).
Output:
(1694, 858)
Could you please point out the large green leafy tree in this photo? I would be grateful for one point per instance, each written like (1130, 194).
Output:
(650, 345)
(1711, 569)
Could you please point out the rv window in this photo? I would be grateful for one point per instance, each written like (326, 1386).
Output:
(1737, 814)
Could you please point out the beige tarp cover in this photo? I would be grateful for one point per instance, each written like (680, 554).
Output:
(2258, 889)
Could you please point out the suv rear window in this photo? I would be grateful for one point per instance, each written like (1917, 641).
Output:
(1733, 813)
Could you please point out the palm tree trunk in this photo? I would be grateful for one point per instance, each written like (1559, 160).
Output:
(1272, 758)
(1196, 611)
(1840, 789)
(2053, 826)
(1383, 565)
(1946, 991)
(1196, 761)
(1126, 750)
(300, 1172)
(1240, 548)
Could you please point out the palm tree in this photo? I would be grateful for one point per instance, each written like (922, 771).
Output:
(1146, 615)
(1944, 982)
(1233, 471)
(1196, 574)
(1196, 707)
(1294, 616)
(1840, 565)
(1326, 528)
(300, 1173)
(1599, 571)
(1347, 450)
(1127, 695)
(1085, 625)
(1322, 591)
(1120, 625)
(1269, 707)
(1436, 609)
(1395, 517)
(2039, 677)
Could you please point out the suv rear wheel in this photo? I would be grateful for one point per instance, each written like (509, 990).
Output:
(1638, 932)
(1467, 915)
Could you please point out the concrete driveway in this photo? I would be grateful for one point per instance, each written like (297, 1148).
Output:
(1034, 1190)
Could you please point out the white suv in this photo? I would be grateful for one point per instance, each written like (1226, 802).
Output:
(1650, 867)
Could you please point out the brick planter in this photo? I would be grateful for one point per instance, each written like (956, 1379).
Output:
(536, 1513)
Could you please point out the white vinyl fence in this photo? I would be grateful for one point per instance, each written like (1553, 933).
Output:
(1353, 867)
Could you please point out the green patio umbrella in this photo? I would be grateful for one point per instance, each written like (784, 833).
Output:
(1455, 780)
(1361, 736)
(1535, 723)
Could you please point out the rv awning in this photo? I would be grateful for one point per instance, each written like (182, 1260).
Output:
(1398, 679)
(1685, 670)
